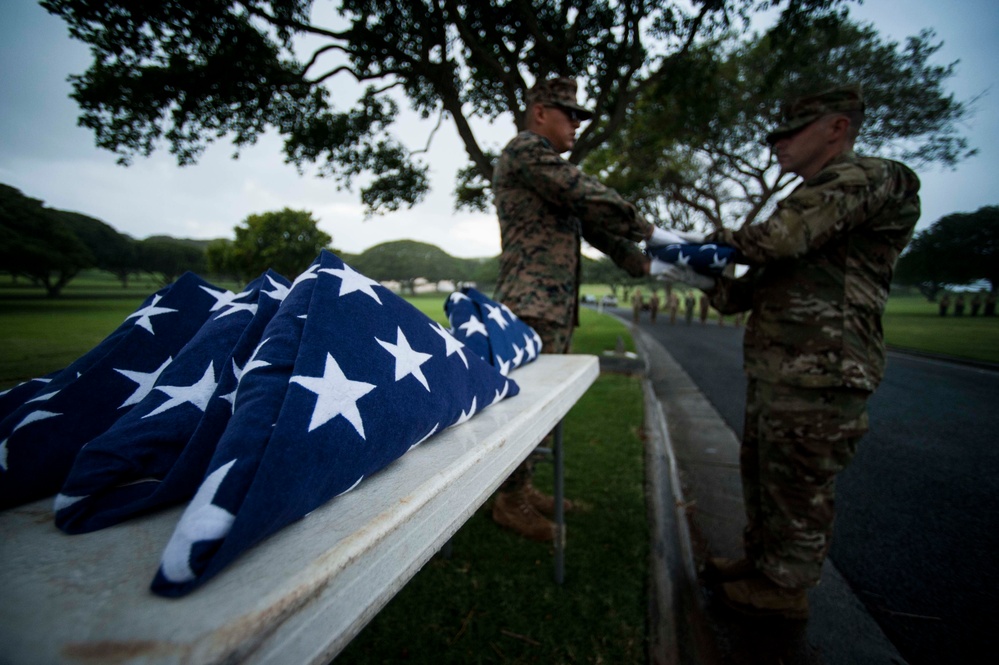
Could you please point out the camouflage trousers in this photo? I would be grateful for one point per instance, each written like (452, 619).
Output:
(556, 337)
(795, 441)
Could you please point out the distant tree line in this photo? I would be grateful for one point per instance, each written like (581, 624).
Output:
(958, 249)
(50, 247)
(284, 242)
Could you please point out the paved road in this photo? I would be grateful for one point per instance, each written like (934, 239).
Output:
(917, 531)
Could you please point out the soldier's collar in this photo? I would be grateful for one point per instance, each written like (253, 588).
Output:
(544, 139)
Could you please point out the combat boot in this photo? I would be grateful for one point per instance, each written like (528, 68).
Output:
(719, 569)
(759, 596)
(545, 503)
(513, 510)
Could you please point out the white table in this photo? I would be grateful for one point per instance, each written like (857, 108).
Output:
(298, 597)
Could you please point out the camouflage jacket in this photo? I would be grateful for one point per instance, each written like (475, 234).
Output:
(545, 204)
(821, 269)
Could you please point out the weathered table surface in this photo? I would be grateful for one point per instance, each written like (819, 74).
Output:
(298, 597)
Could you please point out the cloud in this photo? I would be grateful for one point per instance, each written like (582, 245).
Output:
(479, 231)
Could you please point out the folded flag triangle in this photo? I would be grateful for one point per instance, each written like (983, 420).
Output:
(346, 378)
(41, 436)
(157, 453)
(707, 258)
(491, 330)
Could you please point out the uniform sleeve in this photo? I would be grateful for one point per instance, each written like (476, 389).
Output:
(596, 205)
(838, 198)
(624, 253)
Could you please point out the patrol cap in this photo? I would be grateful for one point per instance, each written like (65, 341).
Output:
(805, 110)
(560, 92)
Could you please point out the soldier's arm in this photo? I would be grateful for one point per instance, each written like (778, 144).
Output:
(839, 197)
(623, 252)
(596, 205)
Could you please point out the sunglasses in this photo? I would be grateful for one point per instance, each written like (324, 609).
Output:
(574, 116)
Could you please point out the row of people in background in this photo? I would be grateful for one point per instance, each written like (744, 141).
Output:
(652, 303)
(976, 304)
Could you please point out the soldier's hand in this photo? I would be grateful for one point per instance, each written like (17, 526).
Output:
(672, 272)
(689, 236)
(668, 236)
(661, 237)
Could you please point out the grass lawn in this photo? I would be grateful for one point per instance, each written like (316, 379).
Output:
(911, 322)
(39, 335)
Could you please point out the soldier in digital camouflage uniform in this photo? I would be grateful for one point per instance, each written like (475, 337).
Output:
(545, 206)
(820, 271)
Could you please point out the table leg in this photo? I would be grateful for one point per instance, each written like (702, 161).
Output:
(559, 505)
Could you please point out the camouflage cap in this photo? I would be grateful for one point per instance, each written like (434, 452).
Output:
(560, 92)
(805, 110)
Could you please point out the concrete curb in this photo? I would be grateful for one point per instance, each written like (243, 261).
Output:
(676, 623)
(957, 360)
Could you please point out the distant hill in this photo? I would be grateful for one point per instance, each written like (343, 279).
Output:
(201, 244)
(405, 260)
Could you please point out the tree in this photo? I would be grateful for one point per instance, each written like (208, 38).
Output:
(970, 243)
(188, 73)
(286, 241)
(960, 248)
(920, 267)
(694, 155)
(605, 271)
(36, 243)
(483, 272)
(113, 252)
(171, 257)
(220, 260)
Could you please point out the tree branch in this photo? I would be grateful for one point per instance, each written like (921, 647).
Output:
(430, 137)
(315, 56)
(333, 72)
(307, 28)
(544, 45)
(509, 77)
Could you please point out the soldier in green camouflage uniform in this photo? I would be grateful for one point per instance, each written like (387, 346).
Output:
(820, 272)
(545, 206)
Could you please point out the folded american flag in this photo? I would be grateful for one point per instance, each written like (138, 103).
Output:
(42, 434)
(707, 258)
(157, 453)
(12, 398)
(491, 330)
(346, 378)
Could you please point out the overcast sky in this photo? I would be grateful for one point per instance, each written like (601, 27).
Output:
(45, 155)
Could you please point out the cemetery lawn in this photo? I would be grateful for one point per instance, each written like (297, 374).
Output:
(913, 324)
